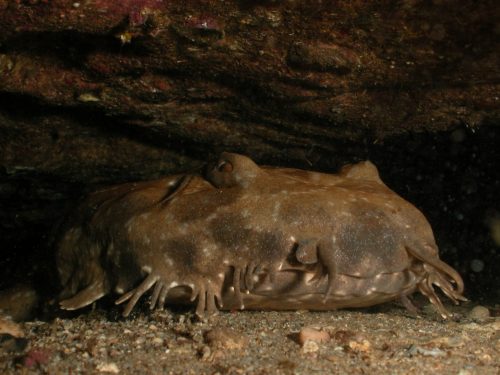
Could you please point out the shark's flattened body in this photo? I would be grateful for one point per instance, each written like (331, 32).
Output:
(254, 237)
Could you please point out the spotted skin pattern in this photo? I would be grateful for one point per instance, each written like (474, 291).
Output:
(253, 237)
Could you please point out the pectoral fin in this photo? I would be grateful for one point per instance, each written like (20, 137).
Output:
(85, 297)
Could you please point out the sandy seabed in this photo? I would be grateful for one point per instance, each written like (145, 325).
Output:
(382, 340)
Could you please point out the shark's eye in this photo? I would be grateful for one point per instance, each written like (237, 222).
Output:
(225, 166)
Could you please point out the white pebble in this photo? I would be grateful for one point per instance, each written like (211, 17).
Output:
(310, 347)
(110, 367)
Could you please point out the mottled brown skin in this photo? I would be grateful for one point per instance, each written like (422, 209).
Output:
(194, 241)
(288, 238)
(376, 233)
(87, 239)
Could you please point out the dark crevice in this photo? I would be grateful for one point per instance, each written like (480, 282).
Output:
(125, 126)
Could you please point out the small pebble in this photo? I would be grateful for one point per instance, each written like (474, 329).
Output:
(414, 350)
(226, 338)
(157, 341)
(110, 367)
(360, 346)
(479, 313)
(310, 346)
(311, 334)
